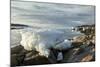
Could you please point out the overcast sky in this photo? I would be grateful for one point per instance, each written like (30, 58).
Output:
(47, 14)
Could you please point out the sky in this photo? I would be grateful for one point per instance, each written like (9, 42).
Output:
(41, 14)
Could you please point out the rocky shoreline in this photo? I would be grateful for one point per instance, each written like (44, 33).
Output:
(83, 50)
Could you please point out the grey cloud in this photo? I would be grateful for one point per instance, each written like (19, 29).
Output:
(54, 13)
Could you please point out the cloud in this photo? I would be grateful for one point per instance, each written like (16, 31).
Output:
(50, 13)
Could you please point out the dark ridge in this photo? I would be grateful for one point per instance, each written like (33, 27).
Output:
(19, 25)
(85, 29)
(93, 25)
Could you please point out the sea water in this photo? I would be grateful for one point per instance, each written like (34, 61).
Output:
(46, 34)
(45, 17)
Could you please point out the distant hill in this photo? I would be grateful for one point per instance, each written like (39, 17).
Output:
(18, 26)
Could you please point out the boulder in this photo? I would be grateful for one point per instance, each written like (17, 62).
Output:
(80, 54)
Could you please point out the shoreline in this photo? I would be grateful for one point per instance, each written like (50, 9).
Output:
(83, 50)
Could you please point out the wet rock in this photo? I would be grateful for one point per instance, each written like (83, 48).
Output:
(77, 44)
(33, 58)
(87, 58)
(16, 49)
(53, 56)
(81, 38)
(14, 61)
(36, 60)
(17, 59)
(71, 55)
(93, 40)
(19, 56)
(87, 29)
(80, 54)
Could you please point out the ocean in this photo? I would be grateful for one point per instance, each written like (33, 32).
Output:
(44, 18)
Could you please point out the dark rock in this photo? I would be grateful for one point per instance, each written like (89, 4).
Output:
(77, 44)
(19, 56)
(53, 56)
(87, 58)
(14, 61)
(80, 54)
(17, 59)
(16, 49)
(87, 29)
(36, 60)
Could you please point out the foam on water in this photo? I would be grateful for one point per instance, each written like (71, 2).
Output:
(45, 33)
(40, 40)
(43, 40)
